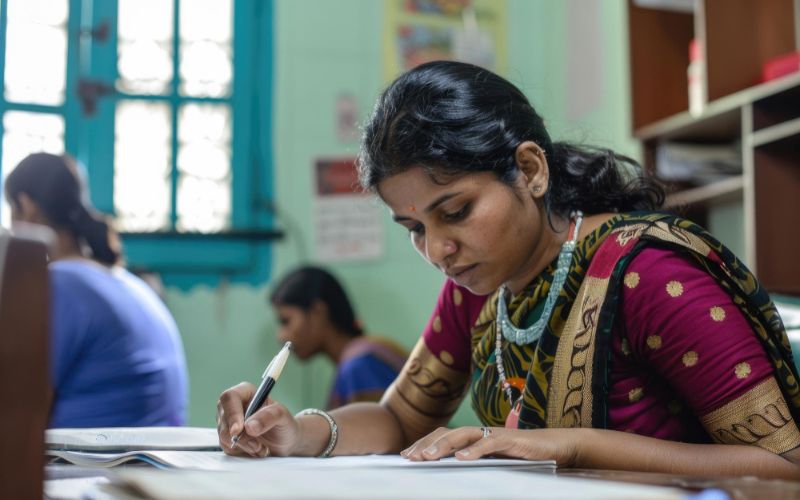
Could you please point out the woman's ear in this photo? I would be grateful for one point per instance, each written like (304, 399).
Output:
(319, 309)
(532, 163)
(27, 210)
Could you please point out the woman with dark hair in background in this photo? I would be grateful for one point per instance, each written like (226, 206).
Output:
(316, 316)
(116, 354)
(611, 336)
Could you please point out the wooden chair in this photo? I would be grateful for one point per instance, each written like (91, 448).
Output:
(24, 376)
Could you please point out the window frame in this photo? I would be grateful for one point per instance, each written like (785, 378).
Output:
(242, 253)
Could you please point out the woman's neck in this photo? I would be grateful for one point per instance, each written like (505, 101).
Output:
(547, 250)
(66, 247)
(335, 343)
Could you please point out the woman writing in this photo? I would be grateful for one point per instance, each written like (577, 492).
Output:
(611, 336)
(116, 354)
(316, 316)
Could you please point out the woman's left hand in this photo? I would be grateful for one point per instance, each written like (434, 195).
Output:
(470, 443)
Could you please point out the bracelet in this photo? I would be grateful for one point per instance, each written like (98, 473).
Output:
(334, 429)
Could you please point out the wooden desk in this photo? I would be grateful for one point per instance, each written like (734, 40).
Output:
(745, 488)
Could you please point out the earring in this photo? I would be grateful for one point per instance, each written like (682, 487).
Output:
(536, 189)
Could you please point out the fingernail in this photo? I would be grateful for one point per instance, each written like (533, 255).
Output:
(253, 427)
(432, 449)
(462, 453)
(234, 430)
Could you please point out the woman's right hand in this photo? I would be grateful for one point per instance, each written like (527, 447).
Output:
(271, 430)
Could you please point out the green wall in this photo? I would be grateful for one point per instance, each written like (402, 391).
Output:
(326, 48)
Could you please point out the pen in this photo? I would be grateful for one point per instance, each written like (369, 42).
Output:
(268, 379)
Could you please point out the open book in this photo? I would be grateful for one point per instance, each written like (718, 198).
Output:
(121, 439)
(219, 461)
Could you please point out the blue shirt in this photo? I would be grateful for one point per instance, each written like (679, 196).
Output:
(116, 355)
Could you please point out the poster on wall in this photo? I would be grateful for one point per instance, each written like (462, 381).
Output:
(347, 222)
(418, 31)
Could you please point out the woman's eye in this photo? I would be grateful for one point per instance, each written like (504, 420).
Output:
(417, 229)
(460, 214)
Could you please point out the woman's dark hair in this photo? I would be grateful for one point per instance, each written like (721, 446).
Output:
(304, 286)
(54, 184)
(453, 118)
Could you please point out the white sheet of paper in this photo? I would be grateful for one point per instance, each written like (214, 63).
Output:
(218, 461)
(308, 479)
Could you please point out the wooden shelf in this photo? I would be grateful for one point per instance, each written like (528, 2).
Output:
(761, 119)
(710, 194)
(776, 132)
(721, 119)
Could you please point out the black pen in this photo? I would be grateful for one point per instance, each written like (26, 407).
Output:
(268, 379)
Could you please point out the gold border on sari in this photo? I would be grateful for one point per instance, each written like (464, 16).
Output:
(760, 417)
(569, 403)
(426, 393)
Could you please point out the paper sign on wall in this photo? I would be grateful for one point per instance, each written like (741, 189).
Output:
(347, 221)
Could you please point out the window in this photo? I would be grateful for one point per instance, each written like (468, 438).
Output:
(164, 102)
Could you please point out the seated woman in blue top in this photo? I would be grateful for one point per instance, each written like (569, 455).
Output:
(316, 316)
(116, 354)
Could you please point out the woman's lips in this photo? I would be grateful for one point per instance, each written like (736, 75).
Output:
(462, 275)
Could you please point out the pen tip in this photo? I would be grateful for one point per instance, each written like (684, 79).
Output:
(288, 345)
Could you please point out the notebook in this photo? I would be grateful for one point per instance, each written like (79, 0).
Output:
(219, 461)
(122, 439)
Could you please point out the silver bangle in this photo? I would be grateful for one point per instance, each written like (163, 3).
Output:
(334, 429)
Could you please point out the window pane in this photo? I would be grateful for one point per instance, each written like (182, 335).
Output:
(26, 133)
(142, 180)
(205, 46)
(36, 51)
(145, 46)
(204, 167)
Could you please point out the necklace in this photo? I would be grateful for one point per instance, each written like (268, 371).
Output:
(523, 336)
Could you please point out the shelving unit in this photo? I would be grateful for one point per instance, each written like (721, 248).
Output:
(737, 37)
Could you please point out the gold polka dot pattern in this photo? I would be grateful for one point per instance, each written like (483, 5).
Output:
(446, 358)
(635, 394)
(742, 370)
(626, 347)
(631, 279)
(654, 341)
(675, 288)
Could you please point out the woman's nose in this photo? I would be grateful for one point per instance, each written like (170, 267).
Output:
(438, 248)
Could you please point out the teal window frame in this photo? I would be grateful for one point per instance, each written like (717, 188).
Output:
(241, 254)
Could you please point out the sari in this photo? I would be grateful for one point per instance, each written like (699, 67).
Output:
(565, 379)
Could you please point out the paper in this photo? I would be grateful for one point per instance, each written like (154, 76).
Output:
(132, 438)
(312, 479)
(219, 461)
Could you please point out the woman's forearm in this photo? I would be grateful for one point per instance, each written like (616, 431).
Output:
(606, 449)
(364, 428)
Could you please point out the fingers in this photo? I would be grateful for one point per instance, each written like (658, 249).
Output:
(270, 415)
(497, 443)
(414, 452)
(230, 413)
(442, 443)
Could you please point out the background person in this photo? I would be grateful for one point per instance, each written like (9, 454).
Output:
(116, 354)
(315, 314)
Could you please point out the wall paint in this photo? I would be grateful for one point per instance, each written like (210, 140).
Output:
(324, 49)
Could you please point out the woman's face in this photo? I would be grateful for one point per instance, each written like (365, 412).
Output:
(477, 230)
(298, 327)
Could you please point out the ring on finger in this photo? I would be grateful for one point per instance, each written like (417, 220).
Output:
(487, 431)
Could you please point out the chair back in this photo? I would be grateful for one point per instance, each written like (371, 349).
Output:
(24, 372)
